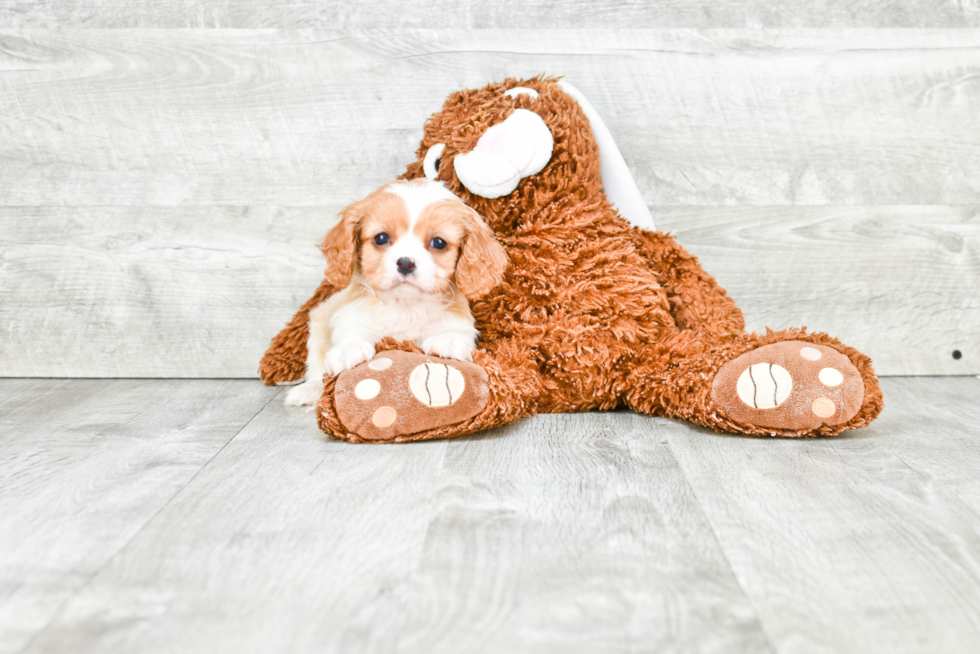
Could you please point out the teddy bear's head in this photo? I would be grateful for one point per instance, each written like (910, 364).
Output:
(510, 148)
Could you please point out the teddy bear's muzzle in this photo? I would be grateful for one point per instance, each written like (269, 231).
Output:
(508, 152)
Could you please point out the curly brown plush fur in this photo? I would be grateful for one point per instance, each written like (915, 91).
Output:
(592, 313)
(285, 360)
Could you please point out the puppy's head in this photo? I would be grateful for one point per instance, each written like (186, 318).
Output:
(414, 238)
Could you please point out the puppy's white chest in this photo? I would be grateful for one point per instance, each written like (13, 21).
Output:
(405, 321)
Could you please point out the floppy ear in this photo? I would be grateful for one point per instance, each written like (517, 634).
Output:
(483, 261)
(339, 246)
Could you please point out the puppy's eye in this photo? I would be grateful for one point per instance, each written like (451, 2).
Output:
(381, 239)
(438, 163)
(437, 244)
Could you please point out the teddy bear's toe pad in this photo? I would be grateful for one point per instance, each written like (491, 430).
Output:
(791, 386)
(399, 393)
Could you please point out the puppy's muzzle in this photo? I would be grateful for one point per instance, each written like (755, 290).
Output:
(405, 266)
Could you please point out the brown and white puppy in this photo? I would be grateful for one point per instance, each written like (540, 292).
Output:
(408, 257)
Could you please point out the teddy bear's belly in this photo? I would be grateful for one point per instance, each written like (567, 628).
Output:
(581, 312)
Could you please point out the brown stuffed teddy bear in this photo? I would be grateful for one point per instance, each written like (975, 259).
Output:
(593, 313)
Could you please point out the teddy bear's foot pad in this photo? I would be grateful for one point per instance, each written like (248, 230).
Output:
(399, 393)
(793, 386)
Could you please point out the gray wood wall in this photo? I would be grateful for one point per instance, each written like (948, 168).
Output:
(162, 188)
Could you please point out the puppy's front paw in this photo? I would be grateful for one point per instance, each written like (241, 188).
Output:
(449, 346)
(307, 393)
(345, 357)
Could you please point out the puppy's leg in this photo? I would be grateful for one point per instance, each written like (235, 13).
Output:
(346, 355)
(355, 329)
(309, 392)
(453, 336)
(451, 345)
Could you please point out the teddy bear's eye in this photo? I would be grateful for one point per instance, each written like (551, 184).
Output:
(433, 159)
(381, 239)
(437, 244)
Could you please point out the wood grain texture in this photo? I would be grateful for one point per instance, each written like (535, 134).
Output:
(710, 117)
(563, 533)
(161, 188)
(131, 526)
(500, 14)
(199, 291)
(899, 283)
(864, 543)
(86, 465)
(151, 292)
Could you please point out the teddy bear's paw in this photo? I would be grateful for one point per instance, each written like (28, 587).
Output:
(793, 386)
(400, 393)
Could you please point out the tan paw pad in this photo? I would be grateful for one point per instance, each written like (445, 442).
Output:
(810, 353)
(764, 386)
(379, 363)
(823, 407)
(384, 416)
(830, 377)
(367, 389)
(436, 384)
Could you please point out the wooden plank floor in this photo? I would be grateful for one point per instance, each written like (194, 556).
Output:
(203, 516)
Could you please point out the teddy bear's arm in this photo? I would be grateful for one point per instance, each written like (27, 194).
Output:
(285, 360)
(697, 302)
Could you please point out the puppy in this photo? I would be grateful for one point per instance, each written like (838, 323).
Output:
(408, 259)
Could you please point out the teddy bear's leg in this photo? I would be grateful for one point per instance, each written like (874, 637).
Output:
(786, 383)
(697, 302)
(406, 395)
(285, 360)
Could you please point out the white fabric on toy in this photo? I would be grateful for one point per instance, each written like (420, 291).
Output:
(432, 156)
(520, 90)
(617, 180)
(508, 152)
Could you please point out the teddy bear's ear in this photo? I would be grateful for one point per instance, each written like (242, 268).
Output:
(617, 180)
(483, 261)
(339, 246)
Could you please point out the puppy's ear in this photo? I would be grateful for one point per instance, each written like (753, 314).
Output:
(483, 261)
(339, 246)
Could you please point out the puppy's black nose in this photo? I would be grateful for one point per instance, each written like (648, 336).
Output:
(405, 265)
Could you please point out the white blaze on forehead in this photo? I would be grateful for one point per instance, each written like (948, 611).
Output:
(418, 195)
(508, 152)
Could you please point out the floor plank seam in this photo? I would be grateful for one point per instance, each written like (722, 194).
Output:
(56, 614)
(23, 391)
(724, 554)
